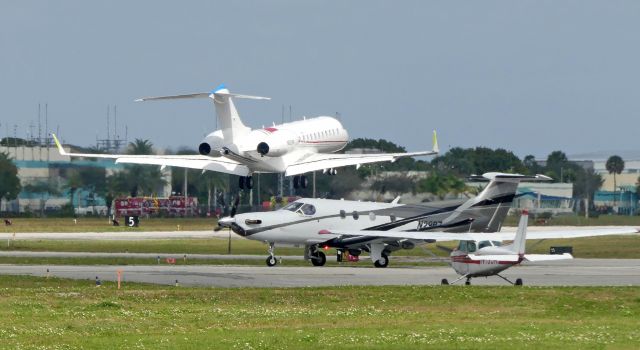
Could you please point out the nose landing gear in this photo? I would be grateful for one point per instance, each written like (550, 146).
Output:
(245, 182)
(271, 260)
(300, 181)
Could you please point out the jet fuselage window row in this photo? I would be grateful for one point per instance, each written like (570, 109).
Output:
(317, 135)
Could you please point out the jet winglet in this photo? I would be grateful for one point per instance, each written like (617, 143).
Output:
(435, 149)
(59, 145)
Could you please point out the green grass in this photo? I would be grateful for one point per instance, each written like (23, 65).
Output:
(575, 220)
(64, 314)
(624, 247)
(92, 224)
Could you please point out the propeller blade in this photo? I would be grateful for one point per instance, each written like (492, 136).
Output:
(234, 208)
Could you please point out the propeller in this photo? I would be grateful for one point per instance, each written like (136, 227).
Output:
(234, 207)
(232, 213)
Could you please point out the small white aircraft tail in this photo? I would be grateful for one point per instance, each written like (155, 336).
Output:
(520, 241)
(228, 118)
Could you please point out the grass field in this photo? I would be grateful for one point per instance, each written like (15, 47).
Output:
(91, 224)
(593, 247)
(575, 220)
(63, 314)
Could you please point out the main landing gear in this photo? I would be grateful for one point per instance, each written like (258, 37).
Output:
(245, 182)
(300, 181)
(382, 262)
(445, 282)
(317, 257)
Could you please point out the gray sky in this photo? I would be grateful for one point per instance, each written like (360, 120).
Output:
(529, 76)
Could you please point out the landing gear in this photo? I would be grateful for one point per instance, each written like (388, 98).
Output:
(318, 259)
(468, 281)
(382, 262)
(300, 181)
(444, 282)
(245, 182)
(271, 260)
(330, 172)
(517, 283)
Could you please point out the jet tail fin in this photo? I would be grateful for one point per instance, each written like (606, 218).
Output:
(490, 207)
(228, 117)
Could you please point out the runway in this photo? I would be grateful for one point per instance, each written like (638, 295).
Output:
(578, 272)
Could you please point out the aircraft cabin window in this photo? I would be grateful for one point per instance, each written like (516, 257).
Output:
(343, 214)
(496, 243)
(292, 206)
(392, 218)
(355, 215)
(372, 216)
(483, 244)
(471, 246)
(308, 209)
(462, 246)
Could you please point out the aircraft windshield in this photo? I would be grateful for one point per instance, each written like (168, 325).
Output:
(292, 206)
(307, 209)
(467, 246)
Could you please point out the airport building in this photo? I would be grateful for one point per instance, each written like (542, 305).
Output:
(40, 164)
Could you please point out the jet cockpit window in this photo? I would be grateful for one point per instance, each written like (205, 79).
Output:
(293, 206)
(308, 209)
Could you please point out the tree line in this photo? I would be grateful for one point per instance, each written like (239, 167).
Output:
(446, 174)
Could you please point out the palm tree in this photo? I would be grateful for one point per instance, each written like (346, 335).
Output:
(46, 189)
(9, 182)
(615, 165)
(140, 146)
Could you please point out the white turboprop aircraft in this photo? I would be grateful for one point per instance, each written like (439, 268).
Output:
(294, 148)
(483, 255)
(299, 222)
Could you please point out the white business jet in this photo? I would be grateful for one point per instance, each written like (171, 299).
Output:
(484, 255)
(294, 148)
(299, 222)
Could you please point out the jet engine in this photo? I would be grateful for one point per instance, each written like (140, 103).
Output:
(211, 145)
(274, 146)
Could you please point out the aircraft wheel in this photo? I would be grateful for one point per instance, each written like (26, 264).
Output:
(519, 282)
(319, 259)
(296, 182)
(383, 262)
(444, 282)
(271, 261)
(248, 182)
(241, 182)
(467, 283)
